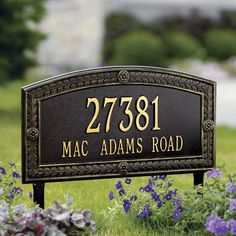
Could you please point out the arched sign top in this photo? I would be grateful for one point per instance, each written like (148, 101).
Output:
(117, 121)
(118, 69)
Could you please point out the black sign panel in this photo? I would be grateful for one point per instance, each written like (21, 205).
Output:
(115, 121)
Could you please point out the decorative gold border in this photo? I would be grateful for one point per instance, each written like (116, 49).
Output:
(32, 171)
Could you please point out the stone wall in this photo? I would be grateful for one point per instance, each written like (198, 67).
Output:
(74, 31)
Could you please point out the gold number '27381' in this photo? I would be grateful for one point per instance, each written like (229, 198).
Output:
(141, 106)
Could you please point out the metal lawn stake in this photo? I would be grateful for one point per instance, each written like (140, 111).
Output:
(117, 121)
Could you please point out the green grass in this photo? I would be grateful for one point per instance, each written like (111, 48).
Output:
(92, 194)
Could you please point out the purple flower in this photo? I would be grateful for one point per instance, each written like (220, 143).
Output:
(118, 185)
(162, 177)
(151, 183)
(30, 194)
(11, 195)
(126, 205)
(18, 190)
(141, 189)
(154, 178)
(216, 225)
(177, 202)
(12, 164)
(145, 213)
(176, 214)
(121, 192)
(159, 205)
(141, 214)
(232, 226)
(214, 173)
(147, 210)
(2, 170)
(232, 205)
(169, 184)
(155, 196)
(15, 175)
(127, 180)
(180, 209)
(133, 198)
(175, 192)
(148, 189)
(231, 187)
(168, 196)
(69, 199)
(111, 195)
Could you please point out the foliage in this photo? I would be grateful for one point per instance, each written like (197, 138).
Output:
(158, 204)
(211, 202)
(228, 19)
(182, 45)
(194, 24)
(117, 24)
(19, 37)
(59, 220)
(28, 219)
(10, 191)
(140, 48)
(193, 28)
(220, 43)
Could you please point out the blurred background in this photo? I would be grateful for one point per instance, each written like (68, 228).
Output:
(48, 37)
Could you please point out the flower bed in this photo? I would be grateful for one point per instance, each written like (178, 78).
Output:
(29, 219)
(157, 205)
(204, 210)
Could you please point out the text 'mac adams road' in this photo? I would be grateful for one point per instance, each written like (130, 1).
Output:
(117, 121)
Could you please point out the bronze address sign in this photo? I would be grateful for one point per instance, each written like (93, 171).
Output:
(115, 121)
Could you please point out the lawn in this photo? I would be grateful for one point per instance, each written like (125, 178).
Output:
(93, 194)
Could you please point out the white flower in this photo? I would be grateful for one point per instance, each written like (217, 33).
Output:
(1, 190)
(19, 208)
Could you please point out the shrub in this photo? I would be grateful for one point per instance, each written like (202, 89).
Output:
(228, 19)
(20, 216)
(220, 43)
(182, 45)
(140, 48)
(116, 25)
(159, 205)
(192, 31)
(18, 39)
(57, 220)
